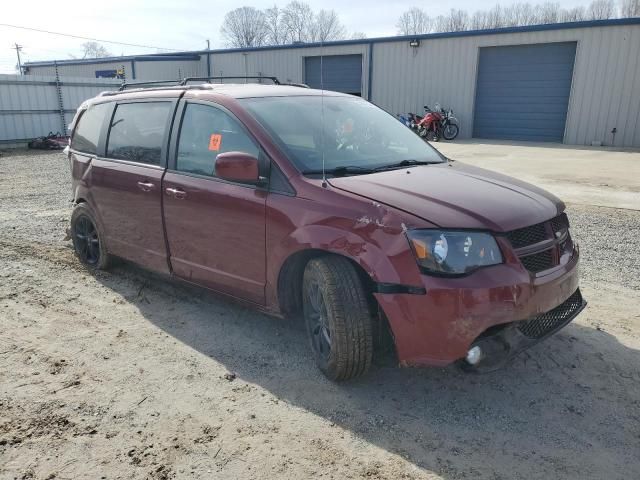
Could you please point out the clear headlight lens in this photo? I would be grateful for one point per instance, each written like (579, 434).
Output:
(449, 252)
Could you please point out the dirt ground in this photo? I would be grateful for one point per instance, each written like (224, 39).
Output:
(126, 374)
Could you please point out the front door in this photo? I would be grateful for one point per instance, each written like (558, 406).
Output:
(215, 229)
(126, 182)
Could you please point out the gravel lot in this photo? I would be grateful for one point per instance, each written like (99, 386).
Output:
(122, 374)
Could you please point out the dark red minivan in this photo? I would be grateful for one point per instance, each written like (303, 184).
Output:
(302, 202)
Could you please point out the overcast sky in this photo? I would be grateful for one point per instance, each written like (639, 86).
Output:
(171, 24)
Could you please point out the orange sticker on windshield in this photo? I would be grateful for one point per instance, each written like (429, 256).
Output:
(214, 142)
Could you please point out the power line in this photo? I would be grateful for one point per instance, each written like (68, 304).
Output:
(85, 38)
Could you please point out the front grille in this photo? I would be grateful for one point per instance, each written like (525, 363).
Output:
(538, 262)
(526, 236)
(561, 222)
(546, 323)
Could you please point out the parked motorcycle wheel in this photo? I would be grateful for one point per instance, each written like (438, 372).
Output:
(431, 136)
(450, 131)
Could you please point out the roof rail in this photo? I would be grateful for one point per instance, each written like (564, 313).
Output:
(184, 81)
(301, 85)
(126, 85)
(226, 77)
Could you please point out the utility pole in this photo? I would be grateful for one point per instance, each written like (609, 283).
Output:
(18, 48)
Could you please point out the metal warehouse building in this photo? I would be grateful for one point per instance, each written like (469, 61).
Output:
(575, 83)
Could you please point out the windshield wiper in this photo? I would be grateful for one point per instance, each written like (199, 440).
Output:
(403, 163)
(342, 170)
(358, 170)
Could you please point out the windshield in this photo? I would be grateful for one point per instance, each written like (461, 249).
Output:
(357, 134)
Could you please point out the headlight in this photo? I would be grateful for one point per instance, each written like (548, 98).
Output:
(447, 252)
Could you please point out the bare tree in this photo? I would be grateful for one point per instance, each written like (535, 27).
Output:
(458, 20)
(519, 14)
(630, 8)
(601, 10)
(455, 21)
(496, 17)
(479, 20)
(326, 27)
(358, 35)
(244, 27)
(297, 18)
(547, 13)
(414, 22)
(94, 50)
(575, 14)
(276, 30)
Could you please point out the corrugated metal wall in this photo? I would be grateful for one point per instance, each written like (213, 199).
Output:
(30, 108)
(82, 70)
(287, 64)
(605, 93)
(167, 70)
(606, 81)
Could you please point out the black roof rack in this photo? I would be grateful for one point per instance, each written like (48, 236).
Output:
(126, 85)
(226, 77)
(184, 81)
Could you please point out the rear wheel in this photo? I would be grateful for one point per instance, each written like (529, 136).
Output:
(87, 239)
(337, 317)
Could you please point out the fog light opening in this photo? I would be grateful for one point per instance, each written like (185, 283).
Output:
(474, 355)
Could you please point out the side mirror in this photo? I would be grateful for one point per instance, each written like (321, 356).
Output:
(238, 167)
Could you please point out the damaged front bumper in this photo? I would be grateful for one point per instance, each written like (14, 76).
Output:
(497, 346)
(502, 309)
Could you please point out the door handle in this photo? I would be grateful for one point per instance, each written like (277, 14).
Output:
(145, 186)
(176, 193)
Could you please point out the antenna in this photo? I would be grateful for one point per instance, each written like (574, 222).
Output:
(324, 174)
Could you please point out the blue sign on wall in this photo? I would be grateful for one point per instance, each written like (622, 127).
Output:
(110, 73)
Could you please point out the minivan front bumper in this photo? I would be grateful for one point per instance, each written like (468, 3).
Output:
(488, 308)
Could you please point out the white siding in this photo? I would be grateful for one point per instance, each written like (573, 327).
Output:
(83, 70)
(168, 70)
(286, 64)
(606, 80)
(605, 92)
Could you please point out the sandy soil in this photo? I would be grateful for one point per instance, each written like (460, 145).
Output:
(126, 374)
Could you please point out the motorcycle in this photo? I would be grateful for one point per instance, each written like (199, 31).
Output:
(435, 124)
(448, 125)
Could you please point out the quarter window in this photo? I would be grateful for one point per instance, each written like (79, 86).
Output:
(206, 132)
(137, 132)
(87, 132)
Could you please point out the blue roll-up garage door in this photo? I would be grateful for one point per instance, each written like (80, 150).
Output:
(342, 73)
(522, 91)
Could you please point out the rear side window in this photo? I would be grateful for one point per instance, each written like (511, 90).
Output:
(137, 131)
(87, 132)
(206, 132)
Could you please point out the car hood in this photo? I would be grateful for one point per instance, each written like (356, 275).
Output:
(456, 195)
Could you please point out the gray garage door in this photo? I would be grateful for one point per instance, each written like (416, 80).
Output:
(342, 73)
(522, 91)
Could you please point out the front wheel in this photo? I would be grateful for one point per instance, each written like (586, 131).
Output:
(450, 131)
(337, 317)
(432, 136)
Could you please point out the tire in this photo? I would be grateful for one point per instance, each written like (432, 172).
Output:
(450, 131)
(337, 317)
(431, 136)
(88, 239)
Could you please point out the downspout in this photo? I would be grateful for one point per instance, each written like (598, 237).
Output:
(133, 69)
(370, 79)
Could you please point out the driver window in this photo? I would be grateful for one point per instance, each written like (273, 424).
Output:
(207, 132)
